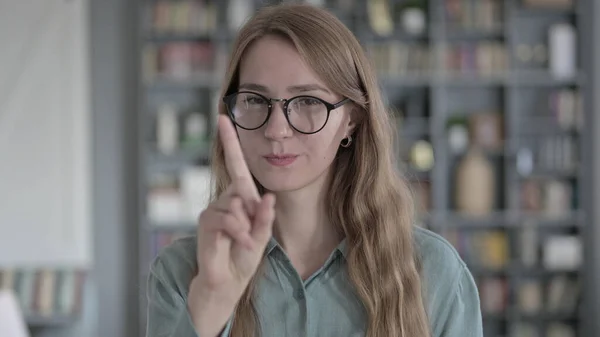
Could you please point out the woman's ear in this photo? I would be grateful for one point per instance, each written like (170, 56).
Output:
(353, 116)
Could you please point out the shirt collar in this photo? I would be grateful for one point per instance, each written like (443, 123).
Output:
(342, 247)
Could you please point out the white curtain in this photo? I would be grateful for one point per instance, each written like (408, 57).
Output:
(45, 214)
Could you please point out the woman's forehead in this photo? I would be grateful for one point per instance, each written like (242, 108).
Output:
(273, 62)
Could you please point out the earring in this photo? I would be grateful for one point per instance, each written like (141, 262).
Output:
(346, 141)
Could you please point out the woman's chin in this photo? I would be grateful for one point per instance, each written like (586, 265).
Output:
(276, 185)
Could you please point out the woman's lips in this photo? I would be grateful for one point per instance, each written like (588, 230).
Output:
(280, 160)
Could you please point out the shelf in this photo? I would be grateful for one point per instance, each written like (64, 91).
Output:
(178, 37)
(548, 316)
(454, 34)
(551, 174)
(506, 219)
(516, 268)
(457, 220)
(542, 78)
(511, 77)
(486, 152)
(540, 272)
(180, 159)
(405, 80)
(517, 315)
(396, 36)
(545, 11)
(50, 321)
(572, 219)
(411, 130)
(414, 74)
(544, 127)
(209, 81)
(473, 80)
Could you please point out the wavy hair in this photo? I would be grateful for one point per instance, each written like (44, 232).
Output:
(369, 202)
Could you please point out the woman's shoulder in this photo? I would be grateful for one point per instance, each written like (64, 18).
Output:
(182, 250)
(448, 285)
(441, 265)
(176, 264)
(436, 254)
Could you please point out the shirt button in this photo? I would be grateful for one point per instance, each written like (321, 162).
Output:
(299, 294)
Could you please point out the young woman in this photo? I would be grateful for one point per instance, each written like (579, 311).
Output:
(311, 229)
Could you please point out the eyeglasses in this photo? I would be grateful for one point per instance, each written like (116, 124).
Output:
(306, 114)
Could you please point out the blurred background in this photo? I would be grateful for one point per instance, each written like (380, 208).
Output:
(107, 111)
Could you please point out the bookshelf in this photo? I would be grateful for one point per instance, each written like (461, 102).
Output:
(50, 298)
(480, 95)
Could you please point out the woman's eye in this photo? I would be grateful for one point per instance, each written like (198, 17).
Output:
(309, 101)
(255, 100)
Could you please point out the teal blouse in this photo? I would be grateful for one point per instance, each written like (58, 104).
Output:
(324, 304)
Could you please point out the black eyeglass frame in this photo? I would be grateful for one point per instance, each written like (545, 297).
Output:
(330, 107)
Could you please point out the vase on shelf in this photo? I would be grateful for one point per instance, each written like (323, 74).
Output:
(413, 21)
(475, 184)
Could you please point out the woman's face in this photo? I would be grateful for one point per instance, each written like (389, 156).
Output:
(279, 157)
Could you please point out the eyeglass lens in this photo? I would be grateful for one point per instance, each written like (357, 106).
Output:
(305, 113)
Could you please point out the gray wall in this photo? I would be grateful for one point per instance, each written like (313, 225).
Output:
(113, 52)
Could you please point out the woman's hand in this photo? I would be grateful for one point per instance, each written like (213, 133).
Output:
(233, 232)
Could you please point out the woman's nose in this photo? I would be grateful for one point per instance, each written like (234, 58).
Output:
(277, 125)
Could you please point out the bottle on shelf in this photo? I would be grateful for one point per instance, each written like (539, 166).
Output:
(380, 20)
(562, 44)
(485, 129)
(167, 129)
(195, 130)
(475, 184)
(422, 156)
(458, 135)
(413, 17)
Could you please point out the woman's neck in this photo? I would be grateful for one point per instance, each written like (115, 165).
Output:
(303, 229)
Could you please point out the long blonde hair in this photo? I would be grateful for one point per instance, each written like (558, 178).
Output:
(369, 203)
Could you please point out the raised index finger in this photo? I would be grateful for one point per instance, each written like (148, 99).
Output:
(234, 158)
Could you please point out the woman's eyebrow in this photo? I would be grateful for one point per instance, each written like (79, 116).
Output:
(253, 87)
(292, 89)
(307, 87)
